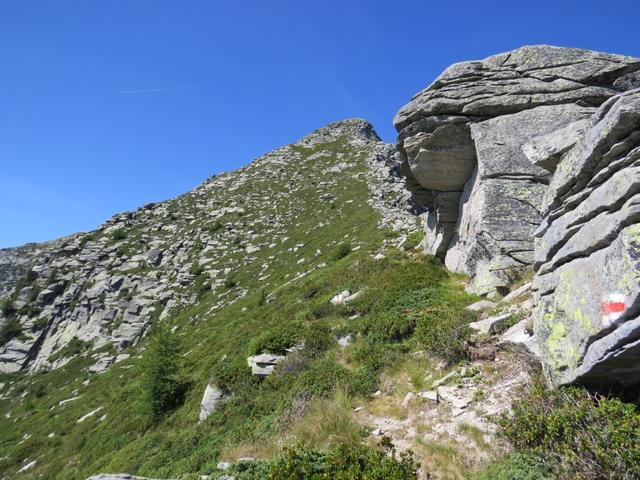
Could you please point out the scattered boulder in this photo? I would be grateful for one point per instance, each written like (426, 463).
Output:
(344, 297)
(520, 339)
(345, 341)
(212, 397)
(491, 325)
(518, 293)
(340, 298)
(481, 306)
(264, 364)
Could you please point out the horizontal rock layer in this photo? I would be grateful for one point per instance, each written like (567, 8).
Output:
(490, 133)
(587, 255)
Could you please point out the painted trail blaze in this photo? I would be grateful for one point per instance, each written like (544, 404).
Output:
(613, 308)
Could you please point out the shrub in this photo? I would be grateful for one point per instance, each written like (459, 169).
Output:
(262, 298)
(163, 385)
(590, 436)
(86, 239)
(443, 330)
(196, 269)
(388, 232)
(9, 330)
(342, 251)
(388, 327)
(119, 234)
(276, 339)
(231, 373)
(71, 349)
(214, 227)
(517, 467)
(342, 463)
(318, 338)
(230, 282)
(413, 240)
(6, 306)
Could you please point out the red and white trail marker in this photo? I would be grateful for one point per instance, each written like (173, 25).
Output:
(613, 307)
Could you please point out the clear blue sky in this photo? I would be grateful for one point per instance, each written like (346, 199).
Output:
(106, 105)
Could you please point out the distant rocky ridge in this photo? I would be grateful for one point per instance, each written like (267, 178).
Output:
(540, 142)
(98, 292)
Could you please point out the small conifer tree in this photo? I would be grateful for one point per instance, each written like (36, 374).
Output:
(163, 385)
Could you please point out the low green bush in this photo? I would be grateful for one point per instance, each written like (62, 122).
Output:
(9, 330)
(413, 240)
(388, 327)
(119, 234)
(342, 251)
(589, 436)
(276, 339)
(517, 467)
(442, 330)
(317, 339)
(71, 349)
(6, 307)
(341, 463)
(230, 282)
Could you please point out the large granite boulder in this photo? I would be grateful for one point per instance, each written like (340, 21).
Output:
(485, 133)
(587, 257)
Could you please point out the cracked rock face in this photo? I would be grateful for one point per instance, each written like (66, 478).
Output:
(587, 257)
(486, 133)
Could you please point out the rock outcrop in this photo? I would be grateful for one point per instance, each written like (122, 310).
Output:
(477, 150)
(540, 142)
(587, 257)
(211, 398)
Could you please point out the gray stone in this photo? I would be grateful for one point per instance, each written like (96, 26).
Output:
(212, 397)
(546, 150)
(481, 305)
(490, 325)
(443, 159)
(430, 395)
(340, 298)
(264, 364)
(518, 293)
(520, 340)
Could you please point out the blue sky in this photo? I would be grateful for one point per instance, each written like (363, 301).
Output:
(107, 105)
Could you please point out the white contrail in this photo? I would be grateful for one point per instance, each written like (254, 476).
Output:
(164, 89)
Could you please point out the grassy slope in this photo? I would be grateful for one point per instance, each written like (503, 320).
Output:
(216, 338)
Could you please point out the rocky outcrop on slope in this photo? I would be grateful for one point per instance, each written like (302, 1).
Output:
(587, 257)
(97, 293)
(476, 149)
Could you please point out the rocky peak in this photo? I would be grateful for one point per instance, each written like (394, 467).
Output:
(356, 129)
(96, 293)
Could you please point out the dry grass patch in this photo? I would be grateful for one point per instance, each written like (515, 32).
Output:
(327, 422)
